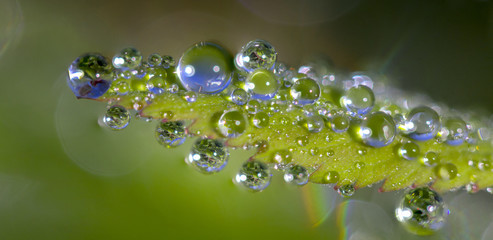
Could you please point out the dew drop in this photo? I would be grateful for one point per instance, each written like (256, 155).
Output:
(331, 177)
(260, 120)
(422, 211)
(430, 159)
(170, 134)
(254, 175)
(282, 159)
(339, 123)
(205, 68)
(346, 190)
(305, 91)
(154, 60)
(302, 140)
(253, 106)
(447, 171)
(232, 124)
(408, 150)
(116, 118)
(120, 86)
(208, 156)
(190, 96)
(457, 131)
(297, 175)
(359, 99)
(239, 97)
(168, 61)
(262, 84)
(90, 76)
(378, 130)
(157, 85)
(426, 122)
(314, 124)
(128, 58)
(257, 54)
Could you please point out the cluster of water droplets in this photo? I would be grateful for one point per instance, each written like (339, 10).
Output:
(261, 92)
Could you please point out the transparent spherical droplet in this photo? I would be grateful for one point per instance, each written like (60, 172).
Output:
(253, 106)
(430, 159)
(190, 96)
(154, 60)
(408, 150)
(168, 61)
(260, 120)
(232, 123)
(157, 85)
(297, 175)
(346, 190)
(426, 122)
(254, 175)
(378, 130)
(359, 99)
(330, 177)
(302, 140)
(116, 118)
(170, 134)
(120, 86)
(457, 131)
(239, 96)
(446, 171)
(422, 211)
(90, 76)
(256, 54)
(262, 84)
(128, 58)
(208, 155)
(305, 91)
(339, 123)
(314, 123)
(205, 68)
(282, 158)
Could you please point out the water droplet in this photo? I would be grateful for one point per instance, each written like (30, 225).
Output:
(253, 106)
(426, 122)
(260, 120)
(331, 177)
(239, 96)
(339, 123)
(116, 118)
(408, 150)
(362, 151)
(170, 134)
(446, 171)
(346, 190)
(254, 175)
(232, 123)
(457, 131)
(154, 60)
(128, 58)
(359, 165)
(359, 99)
(190, 96)
(205, 68)
(297, 175)
(121, 86)
(90, 76)
(302, 140)
(256, 54)
(430, 159)
(208, 155)
(168, 61)
(314, 124)
(157, 85)
(378, 130)
(484, 165)
(422, 211)
(282, 159)
(305, 91)
(262, 84)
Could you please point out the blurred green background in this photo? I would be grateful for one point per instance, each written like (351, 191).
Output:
(64, 177)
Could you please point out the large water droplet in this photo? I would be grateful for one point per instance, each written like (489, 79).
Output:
(116, 118)
(254, 175)
(90, 76)
(408, 150)
(426, 122)
(305, 91)
(297, 175)
(262, 84)
(422, 211)
(256, 54)
(232, 123)
(208, 156)
(170, 134)
(205, 68)
(359, 99)
(128, 58)
(378, 130)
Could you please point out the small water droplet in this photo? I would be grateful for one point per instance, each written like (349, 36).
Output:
(314, 124)
(378, 130)
(168, 61)
(446, 171)
(339, 123)
(430, 159)
(260, 120)
(128, 58)
(346, 190)
(232, 123)
(239, 96)
(457, 131)
(331, 177)
(154, 60)
(208, 156)
(254, 175)
(257, 54)
(282, 159)
(305, 91)
(262, 84)
(426, 122)
(359, 99)
(116, 118)
(253, 106)
(190, 96)
(302, 140)
(297, 175)
(408, 150)
(157, 85)
(170, 134)
(422, 211)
